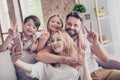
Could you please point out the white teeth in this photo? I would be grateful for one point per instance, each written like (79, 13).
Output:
(56, 47)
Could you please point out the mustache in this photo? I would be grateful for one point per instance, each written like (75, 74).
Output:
(67, 29)
(72, 35)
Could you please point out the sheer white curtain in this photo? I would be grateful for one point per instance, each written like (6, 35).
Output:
(114, 12)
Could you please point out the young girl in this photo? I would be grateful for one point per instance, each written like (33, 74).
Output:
(54, 23)
(29, 40)
(61, 44)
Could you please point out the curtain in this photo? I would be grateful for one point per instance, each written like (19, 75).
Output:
(114, 13)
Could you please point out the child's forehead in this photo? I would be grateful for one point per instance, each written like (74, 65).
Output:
(30, 21)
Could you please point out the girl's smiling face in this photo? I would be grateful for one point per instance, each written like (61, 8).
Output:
(54, 23)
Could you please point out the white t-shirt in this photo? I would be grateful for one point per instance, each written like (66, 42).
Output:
(44, 71)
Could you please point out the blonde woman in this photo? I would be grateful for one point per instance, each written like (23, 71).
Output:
(60, 44)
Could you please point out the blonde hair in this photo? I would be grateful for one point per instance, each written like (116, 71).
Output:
(69, 48)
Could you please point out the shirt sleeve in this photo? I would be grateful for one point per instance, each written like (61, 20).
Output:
(38, 71)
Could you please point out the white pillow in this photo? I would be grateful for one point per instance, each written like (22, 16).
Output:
(7, 70)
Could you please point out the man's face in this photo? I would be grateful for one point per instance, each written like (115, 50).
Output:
(73, 26)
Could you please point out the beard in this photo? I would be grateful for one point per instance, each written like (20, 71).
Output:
(71, 32)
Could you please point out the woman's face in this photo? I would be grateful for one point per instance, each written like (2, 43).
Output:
(54, 24)
(57, 43)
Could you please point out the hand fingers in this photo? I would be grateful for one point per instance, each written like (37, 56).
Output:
(91, 27)
(86, 29)
(44, 28)
(14, 48)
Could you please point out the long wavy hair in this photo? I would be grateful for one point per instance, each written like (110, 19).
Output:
(69, 48)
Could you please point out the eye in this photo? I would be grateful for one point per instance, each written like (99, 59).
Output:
(76, 25)
(28, 24)
(52, 21)
(34, 27)
(69, 24)
(58, 23)
(59, 39)
(52, 40)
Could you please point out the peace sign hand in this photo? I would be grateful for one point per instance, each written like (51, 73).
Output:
(45, 34)
(91, 35)
(12, 30)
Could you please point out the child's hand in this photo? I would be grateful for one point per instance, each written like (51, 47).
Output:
(81, 45)
(16, 55)
(12, 31)
(82, 56)
(33, 47)
(45, 34)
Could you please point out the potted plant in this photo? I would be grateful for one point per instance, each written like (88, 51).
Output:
(82, 9)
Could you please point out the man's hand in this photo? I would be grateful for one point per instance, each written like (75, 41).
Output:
(91, 35)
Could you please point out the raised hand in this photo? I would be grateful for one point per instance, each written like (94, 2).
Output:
(80, 45)
(12, 30)
(45, 34)
(33, 47)
(91, 35)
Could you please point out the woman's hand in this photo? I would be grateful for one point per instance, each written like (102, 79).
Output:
(16, 55)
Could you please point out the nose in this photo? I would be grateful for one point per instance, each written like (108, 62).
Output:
(31, 27)
(54, 42)
(72, 27)
(55, 24)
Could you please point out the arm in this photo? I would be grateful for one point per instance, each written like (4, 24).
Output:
(15, 56)
(45, 56)
(6, 43)
(81, 44)
(96, 47)
(43, 40)
(86, 73)
(41, 44)
(25, 66)
(12, 33)
(100, 52)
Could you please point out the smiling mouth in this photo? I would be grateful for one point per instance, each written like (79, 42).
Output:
(56, 47)
(29, 31)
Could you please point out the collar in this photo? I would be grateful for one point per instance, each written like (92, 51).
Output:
(33, 37)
